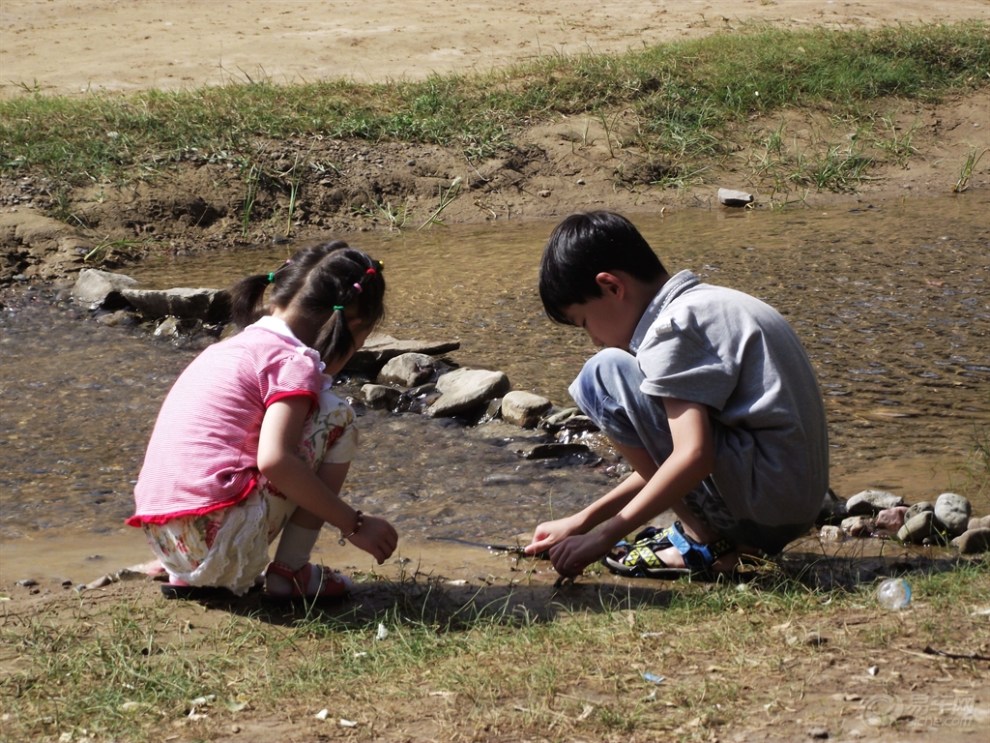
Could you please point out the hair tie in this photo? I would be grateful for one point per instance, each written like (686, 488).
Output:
(358, 288)
(338, 308)
(371, 272)
(271, 277)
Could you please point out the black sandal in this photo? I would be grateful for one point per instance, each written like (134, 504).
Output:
(640, 559)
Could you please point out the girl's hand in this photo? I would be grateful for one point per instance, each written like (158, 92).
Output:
(550, 533)
(377, 537)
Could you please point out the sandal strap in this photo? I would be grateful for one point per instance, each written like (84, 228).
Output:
(298, 579)
(697, 556)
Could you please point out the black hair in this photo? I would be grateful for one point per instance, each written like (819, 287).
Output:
(583, 246)
(322, 280)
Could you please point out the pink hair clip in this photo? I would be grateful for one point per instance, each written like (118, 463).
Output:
(358, 288)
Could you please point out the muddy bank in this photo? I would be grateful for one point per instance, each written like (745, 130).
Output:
(197, 206)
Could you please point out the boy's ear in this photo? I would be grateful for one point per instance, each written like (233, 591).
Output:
(609, 283)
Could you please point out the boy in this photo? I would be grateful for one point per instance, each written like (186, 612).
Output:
(705, 391)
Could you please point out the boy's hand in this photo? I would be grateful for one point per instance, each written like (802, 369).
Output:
(377, 537)
(572, 555)
(550, 533)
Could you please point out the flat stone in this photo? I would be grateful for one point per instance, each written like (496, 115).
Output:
(208, 305)
(872, 502)
(551, 451)
(378, 349)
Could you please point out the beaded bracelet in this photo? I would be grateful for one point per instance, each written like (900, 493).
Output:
(358, 523)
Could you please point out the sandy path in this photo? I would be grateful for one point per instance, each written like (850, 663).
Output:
(69, 46)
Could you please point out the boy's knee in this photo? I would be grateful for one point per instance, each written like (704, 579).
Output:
(611, 361)
(602, 375)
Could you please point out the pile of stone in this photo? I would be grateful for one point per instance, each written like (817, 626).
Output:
(406, 375)
(877, 513)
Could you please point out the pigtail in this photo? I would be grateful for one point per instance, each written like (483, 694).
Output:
(245, 299)
(335, 339)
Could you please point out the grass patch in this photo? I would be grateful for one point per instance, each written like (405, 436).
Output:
(598, 661)
(682, 99)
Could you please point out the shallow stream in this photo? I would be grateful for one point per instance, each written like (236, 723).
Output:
(893, 304)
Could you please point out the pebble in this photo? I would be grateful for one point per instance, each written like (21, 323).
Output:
(952, 512)
(858, 526)
(918, 528)
(730, 197)
(891, 519)
(832, 533)
(917, 508)
(973, 541)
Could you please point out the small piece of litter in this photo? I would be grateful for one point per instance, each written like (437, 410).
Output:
(322, 714)
(382, 632)
(653, 678)
(347, 723)
(873, 670)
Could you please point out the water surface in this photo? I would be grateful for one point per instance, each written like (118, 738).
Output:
(892, 303)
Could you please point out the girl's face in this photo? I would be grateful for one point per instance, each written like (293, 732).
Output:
(359, 332)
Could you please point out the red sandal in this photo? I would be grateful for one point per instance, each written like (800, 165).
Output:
(332, 584)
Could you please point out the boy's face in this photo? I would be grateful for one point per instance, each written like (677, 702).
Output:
(608, 320)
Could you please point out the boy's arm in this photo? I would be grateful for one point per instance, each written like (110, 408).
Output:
(692, 459)
(690, 462)
(549, 533)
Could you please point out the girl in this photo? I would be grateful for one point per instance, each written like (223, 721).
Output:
(251, 441)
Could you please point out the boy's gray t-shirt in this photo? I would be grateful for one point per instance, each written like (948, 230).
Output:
(738, 356)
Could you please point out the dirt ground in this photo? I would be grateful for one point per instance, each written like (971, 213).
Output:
(69, 47)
